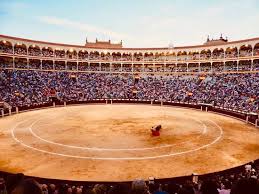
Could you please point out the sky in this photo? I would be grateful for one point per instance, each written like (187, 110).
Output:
(138, 23)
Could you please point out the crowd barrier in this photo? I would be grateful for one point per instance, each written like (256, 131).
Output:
(250, 118)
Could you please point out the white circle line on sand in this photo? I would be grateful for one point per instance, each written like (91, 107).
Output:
(115, 149)
(125, 158)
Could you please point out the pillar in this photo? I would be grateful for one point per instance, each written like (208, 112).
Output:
(17, 110)
(10, 111)
(2, 112)
(13, 63)
(247, 117)
(65, 103)
(54, 104)
(256, 123)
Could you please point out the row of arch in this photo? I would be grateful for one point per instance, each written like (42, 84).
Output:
(24, 61)
(36, 50)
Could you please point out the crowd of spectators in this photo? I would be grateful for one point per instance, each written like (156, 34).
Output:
(243, 181)
(233, 91)
(20, 50)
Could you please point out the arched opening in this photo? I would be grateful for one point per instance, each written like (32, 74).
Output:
(170, 67)
(6, 47)
(21, 63)
(137, 67)
(218, 53)
(34, 50)
(231, 52)
(60, 53)
(34, 63)
(47, 65)
(116, 56)
(256, 65)
(182, 56)
(126, 57)
(82, 55)
(205, 67)
(159, 68)
(149, 56)
(218, 66)
(83, 66)
(193, 55)
(94, 66)
(159, 56)
(116, 67)
(20, 49)
(193, 67)
(138, 56)
(59, 65)
(170, 56)
(205, 54)
(105, 67)
(6, 62)
(231, 66)
(148, 67)
(105, 56)
(71, 54)
(71, 66)
(245, 65)
(94, 55)
(181, 67)
(245, 50)
(47, 52)
(256, 50)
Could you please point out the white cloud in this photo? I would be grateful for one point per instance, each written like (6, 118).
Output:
(84, 27)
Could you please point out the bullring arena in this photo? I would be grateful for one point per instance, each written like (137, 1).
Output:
(85, 112)
(115, 140)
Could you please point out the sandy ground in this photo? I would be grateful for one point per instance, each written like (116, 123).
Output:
(113, 142)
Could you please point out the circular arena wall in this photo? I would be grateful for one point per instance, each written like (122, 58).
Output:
(188, 137)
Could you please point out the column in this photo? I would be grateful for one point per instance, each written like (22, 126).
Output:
(40, 64)
(13, 62)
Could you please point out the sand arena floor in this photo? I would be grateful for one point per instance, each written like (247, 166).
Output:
(113, 142)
